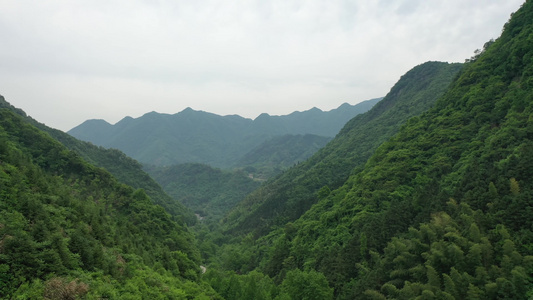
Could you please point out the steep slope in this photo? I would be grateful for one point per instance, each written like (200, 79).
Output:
(69, 229)
(443, 209)
(125, 169)
(207, 191)
(288, 196)
(197, 136)
(280, 153)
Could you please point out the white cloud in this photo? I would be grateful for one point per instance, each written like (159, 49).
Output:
(109, 59)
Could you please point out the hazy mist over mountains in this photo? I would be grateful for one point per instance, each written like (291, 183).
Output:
(197, 136)
(426, 193)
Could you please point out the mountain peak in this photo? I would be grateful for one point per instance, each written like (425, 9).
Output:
(210, 138)
(96, 122)
(262, 116)
(125, 120)
(344, 105)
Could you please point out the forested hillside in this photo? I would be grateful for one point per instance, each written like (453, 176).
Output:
(442, 210)
(124, 168)
(207, 191)
(428, 195)
(288, 196)
(69, 229)
(280, 153)
(201, 137)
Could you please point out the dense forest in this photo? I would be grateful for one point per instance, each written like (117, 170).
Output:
(440, 210)
(69, 229)
(208, 192)
(288, 196)
(125, 169)
(280, 153)
(428, 195)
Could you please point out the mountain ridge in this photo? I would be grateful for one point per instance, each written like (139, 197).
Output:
(189, 109)
(124, 168)
(428, 195)
(198, 136)
(71, 230)
(440, 210)
(289, 195)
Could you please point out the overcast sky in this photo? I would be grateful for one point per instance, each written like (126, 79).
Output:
(64, 62)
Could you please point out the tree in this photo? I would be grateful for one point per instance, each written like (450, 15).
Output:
(306, 285)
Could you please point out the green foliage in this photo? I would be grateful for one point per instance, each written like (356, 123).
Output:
(387, 231)
(280, 153)
(460, 266)
(374, 221)
(250, 286)
(306, 285)
(208, 192)
(124, 168)
(289, 195)
(61, 219)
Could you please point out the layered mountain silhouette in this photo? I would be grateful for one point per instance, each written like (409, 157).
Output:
(72, 230)
(438, 207)
(427, 195)
(288, 196)
(197, 136)
(124, 168)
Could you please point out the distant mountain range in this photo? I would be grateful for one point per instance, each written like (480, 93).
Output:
(202, 137)
(428, 195)
(125, 169)
(286, 197)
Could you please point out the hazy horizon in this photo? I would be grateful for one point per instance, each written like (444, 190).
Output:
(65, 62)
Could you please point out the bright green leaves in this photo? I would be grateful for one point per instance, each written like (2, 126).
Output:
(306, 285)
(251, 286)
(60, 216)
(458, 259)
